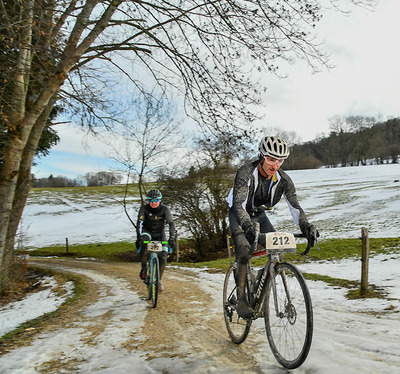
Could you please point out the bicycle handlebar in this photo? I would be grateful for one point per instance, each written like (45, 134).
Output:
(313, 239)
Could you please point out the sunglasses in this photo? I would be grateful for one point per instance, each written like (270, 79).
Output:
(273, 161)
(154, 200)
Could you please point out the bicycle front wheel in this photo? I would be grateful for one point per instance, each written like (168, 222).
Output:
(289, 327)
(238, 328)
(154, 280)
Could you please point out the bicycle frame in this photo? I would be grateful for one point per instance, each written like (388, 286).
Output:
(279, 295)
(256, 301)
(153, 275)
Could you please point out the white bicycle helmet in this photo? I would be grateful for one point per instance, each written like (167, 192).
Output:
(274, 146)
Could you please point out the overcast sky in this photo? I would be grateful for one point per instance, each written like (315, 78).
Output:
(365, 80)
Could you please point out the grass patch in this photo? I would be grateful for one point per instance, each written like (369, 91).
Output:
(372, 292)
(354, 287)
(119, 251)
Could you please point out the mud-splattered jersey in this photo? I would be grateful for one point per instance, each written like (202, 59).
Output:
(252, 193)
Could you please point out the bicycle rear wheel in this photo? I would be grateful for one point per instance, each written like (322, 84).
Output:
(154, 280)
(238, 328)
(290, 330)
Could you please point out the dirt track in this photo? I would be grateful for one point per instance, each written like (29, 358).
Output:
(183, 334)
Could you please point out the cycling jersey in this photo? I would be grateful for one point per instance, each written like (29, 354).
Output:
(252, 193)
(153, 221)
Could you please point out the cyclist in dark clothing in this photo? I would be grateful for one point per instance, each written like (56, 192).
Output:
(258, 186)
(151, 222)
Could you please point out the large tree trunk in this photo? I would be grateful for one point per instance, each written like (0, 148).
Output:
(8, 184)
(24, 179)
(15, 176)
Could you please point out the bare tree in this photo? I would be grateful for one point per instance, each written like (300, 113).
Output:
(144, 145)
(211, 51)
(102, 178)
(198, 195)
(148, 140)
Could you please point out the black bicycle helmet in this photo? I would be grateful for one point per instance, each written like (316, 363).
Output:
(154, 194)
(273, 146)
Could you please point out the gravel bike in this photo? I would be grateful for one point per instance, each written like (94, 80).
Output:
(153, 270)
(278, 293)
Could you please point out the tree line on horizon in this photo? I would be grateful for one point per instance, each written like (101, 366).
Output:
(353, 141)
(92, 179)
(350, 145)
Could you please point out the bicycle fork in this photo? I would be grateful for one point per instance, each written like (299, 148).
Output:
(151, 267)
(288, 301)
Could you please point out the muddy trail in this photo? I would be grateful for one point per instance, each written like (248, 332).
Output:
(114, 329)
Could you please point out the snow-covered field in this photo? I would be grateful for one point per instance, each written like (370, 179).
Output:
(351, 336)
(340, 201)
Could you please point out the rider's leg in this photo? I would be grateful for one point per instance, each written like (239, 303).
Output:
(265, 223)
(265, 226)
(243, 256)
(244, 310)
(144, 255)
(162, 257)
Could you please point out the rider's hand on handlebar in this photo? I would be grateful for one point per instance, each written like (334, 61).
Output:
(311, 233)
(139, 242)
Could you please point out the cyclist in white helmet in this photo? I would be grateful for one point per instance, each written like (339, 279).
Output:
(258, 186)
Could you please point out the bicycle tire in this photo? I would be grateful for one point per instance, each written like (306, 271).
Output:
(238, 328)
(148, 278)
(290, 333)
(154, 280)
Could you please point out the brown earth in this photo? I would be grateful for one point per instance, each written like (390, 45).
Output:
(180, 326)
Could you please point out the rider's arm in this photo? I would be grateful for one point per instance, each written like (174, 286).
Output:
(298, 215)
(170, 221)
(140, 220)
(240, 193)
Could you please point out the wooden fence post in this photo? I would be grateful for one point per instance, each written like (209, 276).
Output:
(66, 245)
(364, 261)
(177, 246)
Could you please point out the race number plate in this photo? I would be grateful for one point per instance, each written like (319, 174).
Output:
(154, 247)
(280, 241)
